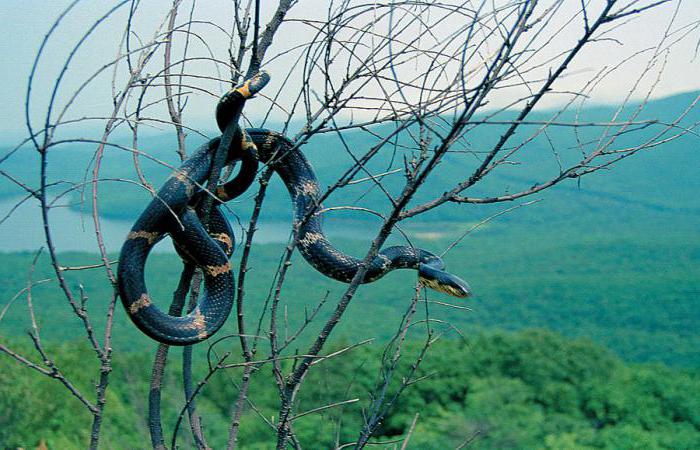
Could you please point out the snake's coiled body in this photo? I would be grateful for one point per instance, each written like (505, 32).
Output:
(171, 213)
(175, 211)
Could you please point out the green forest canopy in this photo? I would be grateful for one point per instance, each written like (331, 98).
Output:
(532, 389)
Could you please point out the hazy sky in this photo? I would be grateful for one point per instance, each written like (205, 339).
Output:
(26, 21)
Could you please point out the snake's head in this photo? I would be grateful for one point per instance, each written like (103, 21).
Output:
(442, 281)
(254, 84)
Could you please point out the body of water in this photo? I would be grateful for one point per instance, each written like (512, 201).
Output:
(72, 230)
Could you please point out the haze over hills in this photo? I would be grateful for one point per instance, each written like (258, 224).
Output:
(658, 180)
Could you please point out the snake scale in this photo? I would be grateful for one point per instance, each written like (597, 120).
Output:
(177, 210)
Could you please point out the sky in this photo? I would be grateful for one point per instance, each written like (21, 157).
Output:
(26, 22)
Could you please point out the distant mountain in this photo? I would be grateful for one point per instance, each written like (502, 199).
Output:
(657, 184)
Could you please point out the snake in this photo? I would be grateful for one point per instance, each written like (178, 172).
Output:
(176, 210)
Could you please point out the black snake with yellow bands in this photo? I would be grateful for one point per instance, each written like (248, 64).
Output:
(175, 211)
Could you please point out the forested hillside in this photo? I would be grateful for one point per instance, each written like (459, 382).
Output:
(632, 290)
(528, 390)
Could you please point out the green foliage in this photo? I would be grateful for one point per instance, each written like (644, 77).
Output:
(34, 407)
(533, 389)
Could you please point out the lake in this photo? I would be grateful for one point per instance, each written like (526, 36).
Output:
(74, 230)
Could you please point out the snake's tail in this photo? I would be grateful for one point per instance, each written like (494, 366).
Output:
(254, 84)
(231, 103)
